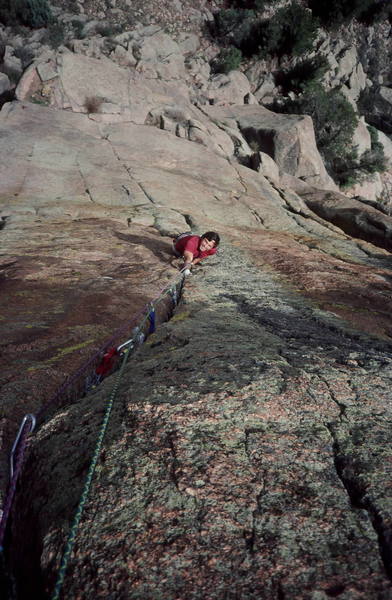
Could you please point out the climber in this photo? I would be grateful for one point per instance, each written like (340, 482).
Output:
(194, 248)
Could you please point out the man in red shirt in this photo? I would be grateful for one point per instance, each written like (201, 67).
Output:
(193, 248)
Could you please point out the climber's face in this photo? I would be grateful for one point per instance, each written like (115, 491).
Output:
(206, 245)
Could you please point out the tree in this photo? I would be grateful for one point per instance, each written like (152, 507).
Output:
(291, 30)
(227, 60)
(306, 73)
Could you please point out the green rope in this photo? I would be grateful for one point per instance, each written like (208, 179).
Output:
(83, 498)
(78, 515)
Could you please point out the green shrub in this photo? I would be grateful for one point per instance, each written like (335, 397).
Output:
(292, 30)
(373, 160)
(377, 11)
(382, 119)
(303, 75)
(107, 30)
(227, 60)
(78, 27)
(298, 29)
(258, 5)
(55, 34)
(73, 6)
(334, 122)
(5, 12)
(33, 13)
(233, 25)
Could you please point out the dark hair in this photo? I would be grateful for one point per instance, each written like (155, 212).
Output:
(211, 236)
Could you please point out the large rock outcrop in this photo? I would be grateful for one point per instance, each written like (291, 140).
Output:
(111, 93)
(288, 139)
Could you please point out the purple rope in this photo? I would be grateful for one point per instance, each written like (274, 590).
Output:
(12, 486)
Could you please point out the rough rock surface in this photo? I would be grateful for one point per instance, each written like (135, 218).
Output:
(248, 454)
(362, 221)
(249, 450)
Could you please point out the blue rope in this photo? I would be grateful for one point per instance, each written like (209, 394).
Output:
(151, 317)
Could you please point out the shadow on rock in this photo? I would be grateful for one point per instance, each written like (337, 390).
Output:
(161, 249)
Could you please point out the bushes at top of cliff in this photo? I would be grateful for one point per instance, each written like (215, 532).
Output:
(32, 13)
(233, 25)
(291, 30)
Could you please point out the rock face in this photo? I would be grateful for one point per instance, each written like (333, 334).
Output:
(115, 94)
(249, 447)
(250, 434)
(364, 222)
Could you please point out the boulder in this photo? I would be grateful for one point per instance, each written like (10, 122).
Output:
(189, 43)
(357, 81)
(352, 216)
(91, 46)
(386, 143)
(261, 78)
(264, 164)
(386, 95)
(29, 84)
(361, 138)
(11, 63)
(228, 89)
(347, 62)
(5, 84)
(82, 78)
(159, 56)
(288, 139)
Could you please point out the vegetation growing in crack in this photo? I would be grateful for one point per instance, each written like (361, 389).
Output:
(93, 104)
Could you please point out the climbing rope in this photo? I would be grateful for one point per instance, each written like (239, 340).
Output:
(174, 288)
(83, 498)
(150, 316)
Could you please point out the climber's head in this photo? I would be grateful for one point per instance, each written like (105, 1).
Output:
(208, 241)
